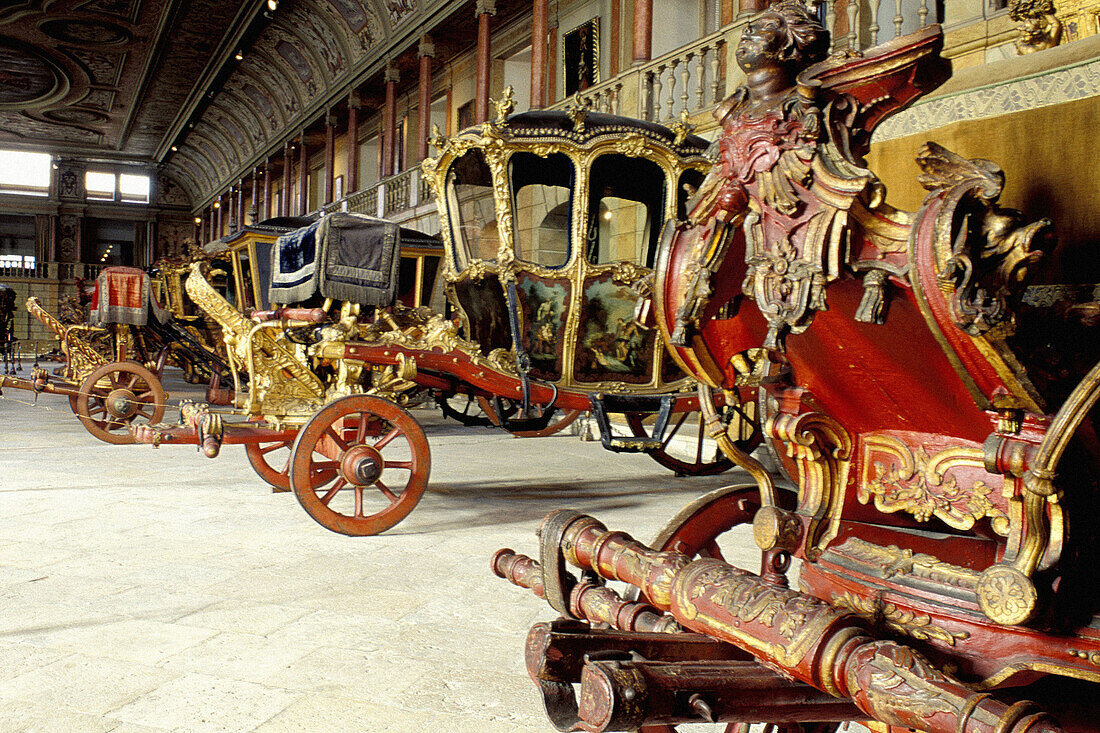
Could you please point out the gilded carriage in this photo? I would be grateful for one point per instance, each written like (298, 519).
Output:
(551, 222)
(112, 364)
(933, 413)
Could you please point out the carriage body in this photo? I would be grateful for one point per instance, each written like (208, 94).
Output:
(930, 412)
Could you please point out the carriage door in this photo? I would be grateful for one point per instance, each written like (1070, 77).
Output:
(625, 210)
(542, 202)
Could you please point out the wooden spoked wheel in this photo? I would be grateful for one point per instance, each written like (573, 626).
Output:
(271, 461)
(686, 450)
(116, 395)
(360, 465)
(560, 421)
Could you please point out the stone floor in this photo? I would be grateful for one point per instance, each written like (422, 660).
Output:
(151, 590)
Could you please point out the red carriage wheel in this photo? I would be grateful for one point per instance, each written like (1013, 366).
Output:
(116, 395)
(360, 465)
(271, 461)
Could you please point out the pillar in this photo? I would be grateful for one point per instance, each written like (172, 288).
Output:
(484, 10)
(426, 51)
(643, 30)
(284, 208)
(540, 17)
(353, 144)
(552, 54)
(616, 23)
(218, 211)
(240, 204)
(303, 176)
(265, 212)
(254, 208)
(330, 157)
(389, 120)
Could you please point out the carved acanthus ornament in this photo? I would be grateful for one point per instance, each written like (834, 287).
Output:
(821, 449)
(901, 480)
(983, 261)
(916, 625)
(81, 357)
(892, 561)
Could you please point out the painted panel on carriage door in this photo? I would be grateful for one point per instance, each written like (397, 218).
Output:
(544, 305)
(611, 345)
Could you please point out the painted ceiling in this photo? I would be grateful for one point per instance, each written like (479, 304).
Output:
(129, 79)
(105, 78)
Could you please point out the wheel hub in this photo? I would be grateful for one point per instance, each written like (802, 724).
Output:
(361, 465)
(121, 404)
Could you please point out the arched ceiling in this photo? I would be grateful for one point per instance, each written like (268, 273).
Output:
(107, 78)
(309, 52)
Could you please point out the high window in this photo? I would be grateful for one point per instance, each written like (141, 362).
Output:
(24, 173)
(108, 186)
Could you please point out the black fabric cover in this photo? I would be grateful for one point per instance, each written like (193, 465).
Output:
(341, 256)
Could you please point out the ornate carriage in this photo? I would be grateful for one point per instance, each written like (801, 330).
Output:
(931, 410)
(551, 222)
(112, 364)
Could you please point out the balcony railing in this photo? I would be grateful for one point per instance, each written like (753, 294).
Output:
(688, 80)
(29, 269)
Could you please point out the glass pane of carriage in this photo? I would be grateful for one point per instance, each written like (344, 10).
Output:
(472, 211)
(542, 200)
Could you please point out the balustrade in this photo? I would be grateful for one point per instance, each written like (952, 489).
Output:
(859, 24)
(691, 79)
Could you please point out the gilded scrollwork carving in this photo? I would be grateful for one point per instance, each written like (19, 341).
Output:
(903, 621)
(892, 561)
(983, 261)
(899, 479)
(821, 448)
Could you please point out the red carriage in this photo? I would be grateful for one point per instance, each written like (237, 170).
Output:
(931, 411)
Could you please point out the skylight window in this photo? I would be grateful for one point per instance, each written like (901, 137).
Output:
(24, 173)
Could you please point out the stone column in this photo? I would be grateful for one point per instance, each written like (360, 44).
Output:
(540, 13)
(483, 10)
(212, 229)
(218, 211)
(265, 212)
(353, 144)
(389, 120)
(303, 176)
(284, 208)
(426, 51)
(330, 157)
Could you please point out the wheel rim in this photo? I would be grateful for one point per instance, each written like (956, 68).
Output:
(465, 409)
(117, 395)
(360, 465)
(698, 457)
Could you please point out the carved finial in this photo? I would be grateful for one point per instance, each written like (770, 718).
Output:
(682, 128)
(437, 140)
(578, 111)
(1039, 28)
(504, 106)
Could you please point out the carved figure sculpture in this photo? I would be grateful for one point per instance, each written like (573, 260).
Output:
(1039, 28)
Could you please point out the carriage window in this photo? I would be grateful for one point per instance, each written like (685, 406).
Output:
(625, 210)
(690, 180)
(244, 268)
(471, 210)
(541, 196)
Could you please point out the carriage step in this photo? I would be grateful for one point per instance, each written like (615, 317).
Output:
(604, 404)
(623, 444)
